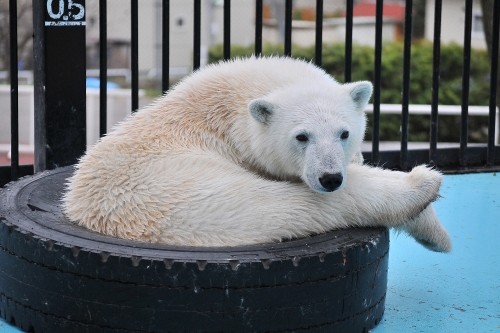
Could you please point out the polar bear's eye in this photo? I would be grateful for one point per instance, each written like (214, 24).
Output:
(302, 138)
(344, 135)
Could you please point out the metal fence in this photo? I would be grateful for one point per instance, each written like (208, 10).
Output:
(59, 81)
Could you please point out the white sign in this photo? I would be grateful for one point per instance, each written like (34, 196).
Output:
(65, 13)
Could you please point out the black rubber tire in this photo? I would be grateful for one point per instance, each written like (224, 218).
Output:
(58, 277)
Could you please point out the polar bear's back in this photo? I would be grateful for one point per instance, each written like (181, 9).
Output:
(257, 76)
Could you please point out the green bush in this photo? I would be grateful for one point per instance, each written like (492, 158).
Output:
(450, 88)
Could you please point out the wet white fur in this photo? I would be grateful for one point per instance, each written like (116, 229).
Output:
(216, 162)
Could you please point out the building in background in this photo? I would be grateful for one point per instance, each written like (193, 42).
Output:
(242, 30)
(150, 39)
(453, 23)
(243, 27)
(334, 22)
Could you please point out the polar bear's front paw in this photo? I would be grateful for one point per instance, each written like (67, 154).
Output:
(426, 182)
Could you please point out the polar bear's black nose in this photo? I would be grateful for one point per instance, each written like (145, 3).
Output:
(331, 181)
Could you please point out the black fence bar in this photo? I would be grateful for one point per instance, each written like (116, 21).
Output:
(464, 131)
(196, 34)
(103, 68)
(318, 46)
(288, 28)
(165, 46)
(258, 27)
(493, 83)
(227, 29)
(406, 85)
(134, 53)
(377, 81)
(436, 59)
(40, 157)
(60, 120)
(348, 40)
(14, 93)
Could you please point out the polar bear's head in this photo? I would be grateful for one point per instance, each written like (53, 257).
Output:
(309, 131)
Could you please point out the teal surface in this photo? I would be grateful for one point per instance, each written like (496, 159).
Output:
(455, 292)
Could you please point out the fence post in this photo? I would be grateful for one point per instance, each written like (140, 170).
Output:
(59, 57)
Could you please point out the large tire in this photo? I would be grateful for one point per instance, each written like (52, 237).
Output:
(58, 277)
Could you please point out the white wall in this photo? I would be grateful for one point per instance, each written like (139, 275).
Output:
(181, 29)
(453, 23)
(242, 22)
(26, 115)
(118, 103)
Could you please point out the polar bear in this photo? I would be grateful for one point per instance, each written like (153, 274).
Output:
(248, 151)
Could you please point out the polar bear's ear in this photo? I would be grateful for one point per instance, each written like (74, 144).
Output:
(360, 92)
(261, 110)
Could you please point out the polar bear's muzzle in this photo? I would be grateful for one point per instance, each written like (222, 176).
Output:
(331, 181)
(324, 168)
